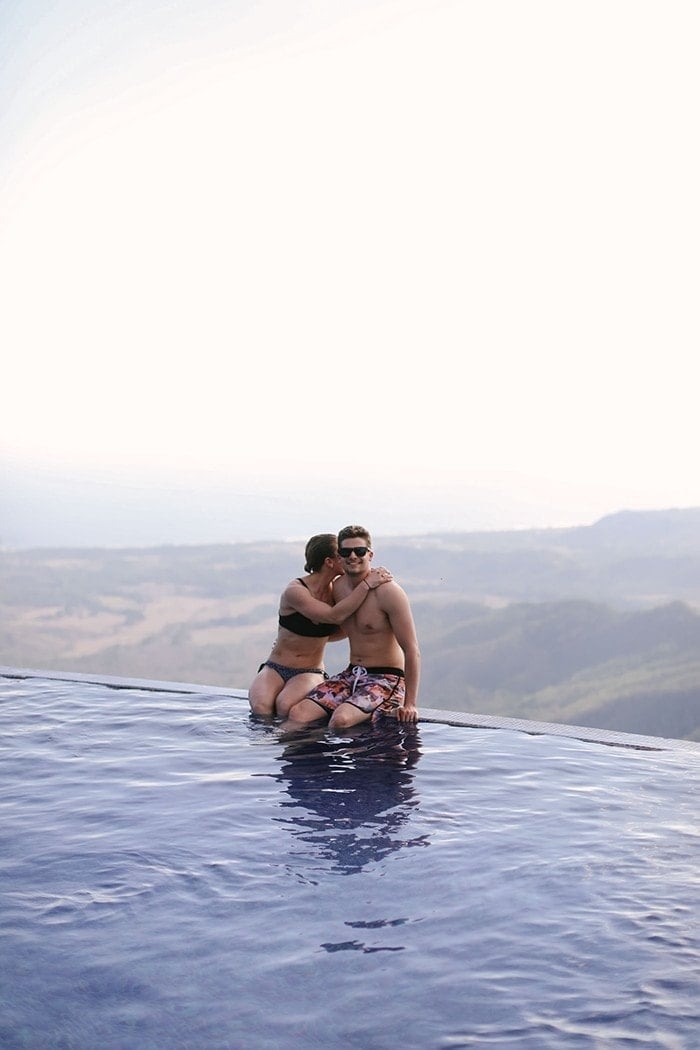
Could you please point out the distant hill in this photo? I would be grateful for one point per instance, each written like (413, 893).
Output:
(633, 558)
(575, 662)
(594, 625)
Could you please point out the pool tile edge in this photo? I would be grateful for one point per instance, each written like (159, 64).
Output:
(427, 714)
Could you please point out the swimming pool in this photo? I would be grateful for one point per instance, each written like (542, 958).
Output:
(174, 873)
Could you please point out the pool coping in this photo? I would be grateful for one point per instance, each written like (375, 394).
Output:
(466, 719)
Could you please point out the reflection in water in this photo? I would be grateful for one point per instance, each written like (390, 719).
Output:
(352, 794)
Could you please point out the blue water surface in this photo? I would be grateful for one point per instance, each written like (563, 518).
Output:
(174, 873)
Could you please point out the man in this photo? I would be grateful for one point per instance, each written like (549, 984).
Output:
(384, 669)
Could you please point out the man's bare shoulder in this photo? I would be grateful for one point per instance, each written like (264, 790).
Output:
(391, 594)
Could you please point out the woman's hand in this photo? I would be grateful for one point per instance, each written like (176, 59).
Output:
(377, 577)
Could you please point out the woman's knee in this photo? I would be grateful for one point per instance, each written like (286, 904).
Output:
(284, 704)
(261, 706)
(261, 699)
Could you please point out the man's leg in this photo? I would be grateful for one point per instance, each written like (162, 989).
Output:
(329, 694)
(303, 713)
(347, 715)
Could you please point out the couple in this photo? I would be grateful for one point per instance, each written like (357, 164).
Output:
(342, 597)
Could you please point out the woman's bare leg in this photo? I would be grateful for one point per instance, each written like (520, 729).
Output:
(294, 691)
(263, 692)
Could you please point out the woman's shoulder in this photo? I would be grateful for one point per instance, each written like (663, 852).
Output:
(294, 588)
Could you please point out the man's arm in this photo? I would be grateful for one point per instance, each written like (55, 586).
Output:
(398, 609)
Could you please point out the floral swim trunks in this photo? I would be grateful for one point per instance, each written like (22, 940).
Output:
(375, 690)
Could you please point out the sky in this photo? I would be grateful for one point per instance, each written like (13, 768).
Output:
(287, 264)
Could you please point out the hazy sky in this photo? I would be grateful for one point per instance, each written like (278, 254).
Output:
(444, 246)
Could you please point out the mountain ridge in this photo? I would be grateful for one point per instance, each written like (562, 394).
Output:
(589, 625)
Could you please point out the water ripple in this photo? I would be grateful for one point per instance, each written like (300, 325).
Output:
(175, 873)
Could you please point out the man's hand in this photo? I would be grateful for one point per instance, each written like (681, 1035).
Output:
(407, 714)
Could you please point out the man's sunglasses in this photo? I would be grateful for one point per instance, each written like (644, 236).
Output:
(345, 552)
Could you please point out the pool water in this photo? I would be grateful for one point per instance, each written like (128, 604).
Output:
(174, 873)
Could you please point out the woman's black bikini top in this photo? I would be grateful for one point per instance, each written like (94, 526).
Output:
(300, 624)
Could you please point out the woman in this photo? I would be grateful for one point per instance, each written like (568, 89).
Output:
(307, 620)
